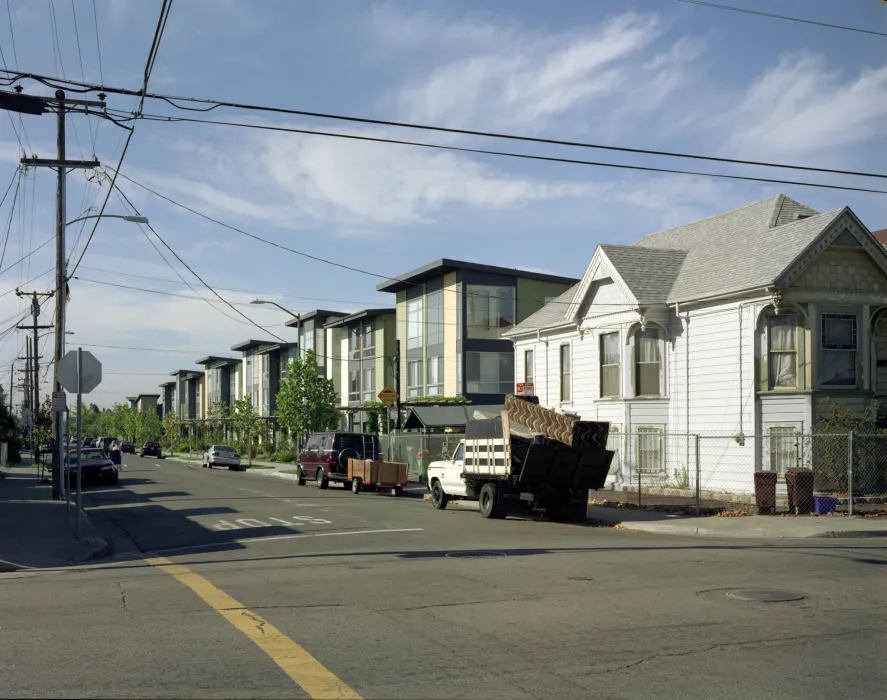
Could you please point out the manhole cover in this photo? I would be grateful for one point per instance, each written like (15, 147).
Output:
(475, 555)
(580, 578)
(760, 596)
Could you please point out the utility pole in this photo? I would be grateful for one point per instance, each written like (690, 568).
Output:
(11, 382)
(61, 286)
(397, 382)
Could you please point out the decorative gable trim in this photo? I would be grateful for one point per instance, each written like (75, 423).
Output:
(846, 221)
(599, 268)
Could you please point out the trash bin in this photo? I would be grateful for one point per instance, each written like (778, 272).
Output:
(765, 492)
(799, 483)
(115, 456)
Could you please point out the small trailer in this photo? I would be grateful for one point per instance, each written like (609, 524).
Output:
(527, 457)
(376, 474)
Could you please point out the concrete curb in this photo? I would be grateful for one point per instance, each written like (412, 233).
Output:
(756, 533)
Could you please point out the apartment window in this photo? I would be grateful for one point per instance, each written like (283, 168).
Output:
(491, 310)
(434, 376)
(566, 372)
(368, 387)
(232, 385)
(459, 374)
(649, 449)
(529, 369)
(434, 327)
(249, 374)
(414, 323)
(306, 343)
(610, 365)
(414, 378)
(647, 363)
(353, 387)
(489, 372)
(782, 351)
(354, 343)
(197, 411)
(369, 341)
(838, 357)
(783, 448)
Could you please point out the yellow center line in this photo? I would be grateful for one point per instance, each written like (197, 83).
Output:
(314, 678)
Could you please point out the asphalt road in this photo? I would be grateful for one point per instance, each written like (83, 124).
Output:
(233, 584)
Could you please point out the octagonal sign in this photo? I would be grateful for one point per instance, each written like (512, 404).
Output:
(92, 371)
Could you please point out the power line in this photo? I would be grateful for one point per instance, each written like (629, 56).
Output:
(9, 222)
(25, 257)
(152, 54)
(170, 99)
(784, 17)
(15, 57)
(98, 46)
(527, 156)
(92, 134)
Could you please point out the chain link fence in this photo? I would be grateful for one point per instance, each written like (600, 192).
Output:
(418, 450)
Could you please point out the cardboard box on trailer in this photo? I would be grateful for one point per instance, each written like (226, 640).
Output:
(377, 471)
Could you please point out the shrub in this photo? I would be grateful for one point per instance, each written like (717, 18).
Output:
(288, 457)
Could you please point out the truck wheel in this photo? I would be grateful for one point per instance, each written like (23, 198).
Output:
(398, 490)
(301, 476)
(489, 502)
(322, 481)
(579, 509)
(556, 510)
(438, 498)
(355, 486)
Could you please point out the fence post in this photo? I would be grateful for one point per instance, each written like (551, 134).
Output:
(698, 477)
(851, 454)
(637, 468)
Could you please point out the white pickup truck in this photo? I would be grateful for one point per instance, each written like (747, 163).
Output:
(511, 468)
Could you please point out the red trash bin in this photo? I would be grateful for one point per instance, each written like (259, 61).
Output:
(765, 492)
(799, 483)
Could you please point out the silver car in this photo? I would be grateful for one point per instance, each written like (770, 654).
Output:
(221, 456)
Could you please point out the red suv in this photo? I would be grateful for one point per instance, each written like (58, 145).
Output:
(325, 457)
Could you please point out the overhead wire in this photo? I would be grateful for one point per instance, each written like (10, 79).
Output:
(783, 17)
(9, 221)
(15, 57)
(25, 257)
(98, 45)
(92, 134)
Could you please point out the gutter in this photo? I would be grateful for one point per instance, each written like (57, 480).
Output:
(727, 295)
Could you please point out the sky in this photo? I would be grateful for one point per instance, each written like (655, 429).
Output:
(652, 74)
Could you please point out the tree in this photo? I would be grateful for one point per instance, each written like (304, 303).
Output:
(216, 417)
(247, 424)
(306, 400)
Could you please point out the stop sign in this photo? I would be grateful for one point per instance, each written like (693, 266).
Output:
(92, 371)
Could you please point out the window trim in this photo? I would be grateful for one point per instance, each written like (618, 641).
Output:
(530, 377)
(418, 307)
(415, 390)
(636, 375)
(795, 460)
(601, 366)
(568, 399)
(434, 317)
(435, 387)
(502, 386)
(649, 430)
(491, 292)
(856, 350)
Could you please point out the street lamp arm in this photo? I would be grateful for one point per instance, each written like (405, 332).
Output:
(125, 217)
(274, 303)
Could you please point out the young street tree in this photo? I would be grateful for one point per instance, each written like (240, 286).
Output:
(306, 401)
(247, 423)
(171, 431)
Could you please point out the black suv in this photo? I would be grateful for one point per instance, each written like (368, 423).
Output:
(150, 449)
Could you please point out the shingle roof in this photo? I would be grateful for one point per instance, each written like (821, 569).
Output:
(650, 273)
(740, 249)
(552, 314)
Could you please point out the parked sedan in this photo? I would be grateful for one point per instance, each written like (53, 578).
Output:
(127, 447)
(95, 466)
(150, 449)
(221, 456)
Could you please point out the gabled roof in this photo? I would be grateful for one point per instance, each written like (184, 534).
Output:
(440, 267)
(552, 314)
(650, 273)
(359, 316)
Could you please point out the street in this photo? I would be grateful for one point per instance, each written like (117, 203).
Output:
(234, 584)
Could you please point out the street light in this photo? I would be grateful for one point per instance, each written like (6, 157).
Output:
(296, 316)
(125, 217)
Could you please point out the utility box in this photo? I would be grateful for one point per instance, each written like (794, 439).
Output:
(799, 484)
(765, 492)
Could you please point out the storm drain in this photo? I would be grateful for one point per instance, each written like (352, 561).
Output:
(475, 555)
(765, 596)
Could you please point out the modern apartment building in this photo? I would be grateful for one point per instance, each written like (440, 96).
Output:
(263, 365)
(189, 394)
(450, 318)
(222, 380)
(360, 360)
(146, 403)
(312, 335)
(168, 404)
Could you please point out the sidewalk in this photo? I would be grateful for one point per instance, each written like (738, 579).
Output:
(749, 526)
(280, 469)
(37, 533)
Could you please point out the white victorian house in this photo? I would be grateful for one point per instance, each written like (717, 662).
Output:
(737, 326)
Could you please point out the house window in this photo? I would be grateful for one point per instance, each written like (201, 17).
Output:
(354, 343)
(838, 357)
(647, 363)
(491, 310)
(782, 351)
(414, 378)
(414, 323)
(614, 444)
(353, 386)
(307, 342)
(566, 371)
(529, 372)
(489, 372)
(434, 327)
(783, 448)
(610, 365)
(369, 385)
(369, 342)
(434, 378)
(649, 449)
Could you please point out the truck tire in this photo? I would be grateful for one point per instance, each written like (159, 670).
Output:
(355, 486)
(578, 511)
(489, 502)
(301, 476)
(322, 481)
(557, 510)
(438, 498)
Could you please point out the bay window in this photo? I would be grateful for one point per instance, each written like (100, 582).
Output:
(782, 351)
(648, 363)
(491, 310)
(838, 352)
(489, 372)
(610, 376)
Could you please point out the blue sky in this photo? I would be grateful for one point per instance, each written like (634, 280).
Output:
(657, 74)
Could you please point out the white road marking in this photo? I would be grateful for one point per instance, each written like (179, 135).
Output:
(285, 522)
(246, 522)
(248, 540)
